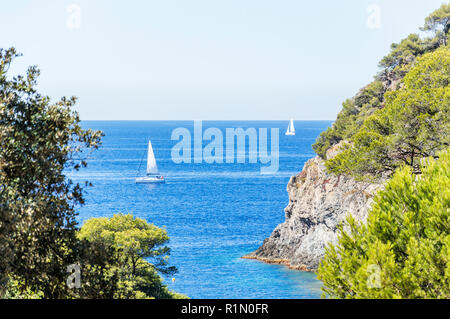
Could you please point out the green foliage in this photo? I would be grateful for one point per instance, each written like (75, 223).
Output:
(403, 53)
(439, 23)
(399, 61)
(135, 237)
(39, 143)
(38, 140)
(404, 249)
(393, 67)
(413, 124)
(14, 291)
(350, 119)
(140, 252)
(99, 271)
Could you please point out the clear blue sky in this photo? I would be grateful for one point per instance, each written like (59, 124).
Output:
(206, 59)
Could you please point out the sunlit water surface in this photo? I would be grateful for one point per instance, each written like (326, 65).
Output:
(213, 213)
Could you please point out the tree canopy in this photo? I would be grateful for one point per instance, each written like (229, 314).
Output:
(412, 125)
(350, 118)
(140, 254)
(404, 249)
(134, 236)
(393, 68)
(38, 141)
(439, 22)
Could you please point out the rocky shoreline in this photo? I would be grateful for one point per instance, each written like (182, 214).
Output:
(285, 262)
(318, 202)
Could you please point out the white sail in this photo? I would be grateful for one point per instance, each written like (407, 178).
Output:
(291, 128)
(152, 169)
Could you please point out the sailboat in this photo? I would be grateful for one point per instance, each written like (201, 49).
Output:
(291, 129)
(152, 175)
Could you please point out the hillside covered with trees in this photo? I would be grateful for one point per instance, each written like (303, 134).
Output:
(396, 128)
(403, 57)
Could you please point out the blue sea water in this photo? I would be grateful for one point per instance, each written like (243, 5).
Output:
(213, 213)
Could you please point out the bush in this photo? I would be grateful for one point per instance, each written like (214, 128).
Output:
(404, 249)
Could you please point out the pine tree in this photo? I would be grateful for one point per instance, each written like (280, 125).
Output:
(404, 249)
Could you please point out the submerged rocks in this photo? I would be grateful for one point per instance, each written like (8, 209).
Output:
(318, 202)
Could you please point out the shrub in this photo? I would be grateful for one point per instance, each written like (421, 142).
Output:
(404, 249)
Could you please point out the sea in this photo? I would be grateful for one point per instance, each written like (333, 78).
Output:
(214, 213)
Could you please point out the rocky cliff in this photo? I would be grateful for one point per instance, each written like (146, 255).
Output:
(318, 202)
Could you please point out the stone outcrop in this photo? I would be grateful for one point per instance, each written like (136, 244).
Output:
(318, 202)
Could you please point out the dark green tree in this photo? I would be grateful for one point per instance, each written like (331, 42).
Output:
(39, 140)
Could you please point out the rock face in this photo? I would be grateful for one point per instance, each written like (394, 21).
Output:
(318, 202)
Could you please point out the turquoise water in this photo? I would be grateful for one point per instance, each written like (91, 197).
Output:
(214, 213)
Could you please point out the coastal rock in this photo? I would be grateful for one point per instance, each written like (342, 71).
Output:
(318, 202)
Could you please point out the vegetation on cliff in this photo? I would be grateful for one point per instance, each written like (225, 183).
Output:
(404, 249)
(413, 124)
(393, 68)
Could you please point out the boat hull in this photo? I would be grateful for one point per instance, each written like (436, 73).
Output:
(150, 180)
(290, 134)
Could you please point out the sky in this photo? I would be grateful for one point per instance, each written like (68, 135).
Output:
(206, 59)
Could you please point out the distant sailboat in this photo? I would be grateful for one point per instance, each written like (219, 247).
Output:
(291, 128)
(153, 175)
